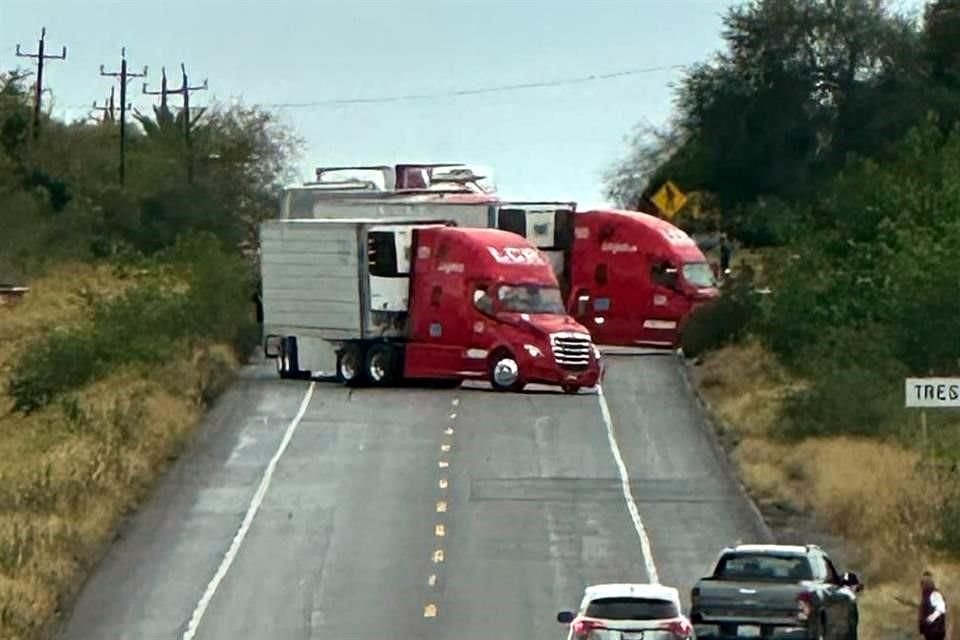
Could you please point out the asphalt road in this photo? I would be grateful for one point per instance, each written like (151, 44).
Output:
(417, 514)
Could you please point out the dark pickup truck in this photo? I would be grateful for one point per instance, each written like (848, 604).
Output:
(777, 590)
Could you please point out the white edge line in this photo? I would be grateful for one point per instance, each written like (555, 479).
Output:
(627, 492)
(255, 503)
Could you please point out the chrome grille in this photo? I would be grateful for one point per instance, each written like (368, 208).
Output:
(571, 350)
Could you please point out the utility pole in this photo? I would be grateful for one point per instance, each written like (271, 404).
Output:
(40, 56)
(183, 91)
(107, 108)
(124, 76)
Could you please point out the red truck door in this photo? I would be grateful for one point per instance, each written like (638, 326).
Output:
(664, 305)
(607, 284)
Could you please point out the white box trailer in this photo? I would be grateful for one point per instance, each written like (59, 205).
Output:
(547, 225)
(317, 286)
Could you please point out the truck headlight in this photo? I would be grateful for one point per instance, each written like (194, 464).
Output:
(596, 352)
(533, 350)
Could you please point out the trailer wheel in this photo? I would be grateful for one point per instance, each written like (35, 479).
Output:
(504, 371)
(381, 364)
(350, 369)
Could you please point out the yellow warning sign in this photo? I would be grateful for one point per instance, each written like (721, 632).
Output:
(669, 199)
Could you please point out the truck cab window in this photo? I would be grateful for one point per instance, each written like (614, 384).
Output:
(600, 275)
(664, 274)
(382, 254)
(832, 576)
(513, 220)
(482, 299)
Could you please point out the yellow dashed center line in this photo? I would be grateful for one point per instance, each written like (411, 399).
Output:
(440, 529)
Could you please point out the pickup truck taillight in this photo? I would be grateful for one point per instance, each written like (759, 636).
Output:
(804, 606)
(583, 627)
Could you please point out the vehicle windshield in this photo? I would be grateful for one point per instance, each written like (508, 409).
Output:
(764, 567)
(530, 298)
(699, 274)
(632, 609)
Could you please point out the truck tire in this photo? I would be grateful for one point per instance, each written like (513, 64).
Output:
(350, 366)
(504, 372)
(381, 364)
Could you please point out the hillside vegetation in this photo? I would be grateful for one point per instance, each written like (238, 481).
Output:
(824, 137)
(138, 313)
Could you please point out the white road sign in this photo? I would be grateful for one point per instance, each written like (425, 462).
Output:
(937, 393)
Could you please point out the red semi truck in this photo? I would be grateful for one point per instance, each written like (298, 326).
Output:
(631, 278)
(414, 299)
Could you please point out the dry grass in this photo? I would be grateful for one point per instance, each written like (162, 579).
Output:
(68, 473)
(873, 493)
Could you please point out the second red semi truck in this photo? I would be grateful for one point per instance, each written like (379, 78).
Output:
(423, 300)
(629, 277)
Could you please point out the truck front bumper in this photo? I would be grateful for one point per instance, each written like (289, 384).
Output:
(544, 371)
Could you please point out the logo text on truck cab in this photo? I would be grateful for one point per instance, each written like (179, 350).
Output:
(517, 255)
(618, 247)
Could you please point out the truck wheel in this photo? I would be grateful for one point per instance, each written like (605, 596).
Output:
(505, 372)
(381, 364)
(350, 369)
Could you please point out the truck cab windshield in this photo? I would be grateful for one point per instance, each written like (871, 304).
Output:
(763, 568)
(529, 298)
(699, 275)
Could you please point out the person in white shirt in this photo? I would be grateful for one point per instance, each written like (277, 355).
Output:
(932, 622)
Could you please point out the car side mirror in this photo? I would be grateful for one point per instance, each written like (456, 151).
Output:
(565, 617)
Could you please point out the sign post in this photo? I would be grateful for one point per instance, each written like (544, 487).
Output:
(931, 393)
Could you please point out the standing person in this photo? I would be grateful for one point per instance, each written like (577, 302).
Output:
(932, 622)
(726, 250)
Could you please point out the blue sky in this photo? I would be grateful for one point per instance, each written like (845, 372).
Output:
(544, 143)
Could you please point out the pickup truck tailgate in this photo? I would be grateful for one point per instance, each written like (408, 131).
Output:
(721, 600)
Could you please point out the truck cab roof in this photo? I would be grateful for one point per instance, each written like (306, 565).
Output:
(661, 233)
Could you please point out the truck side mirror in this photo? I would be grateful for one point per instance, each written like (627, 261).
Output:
(582, 301)
(565, 617)
(851, 580)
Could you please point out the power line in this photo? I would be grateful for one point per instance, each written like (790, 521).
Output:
(470, 92)
(466, 92)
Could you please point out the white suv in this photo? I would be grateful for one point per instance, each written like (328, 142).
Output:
(628, 612)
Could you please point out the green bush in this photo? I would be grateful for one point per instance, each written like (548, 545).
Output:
(724, 320)
(144, 325)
